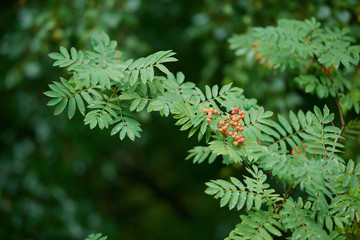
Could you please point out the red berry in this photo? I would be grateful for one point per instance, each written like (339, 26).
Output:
(208, 120)
(227, 117)
(242, 144)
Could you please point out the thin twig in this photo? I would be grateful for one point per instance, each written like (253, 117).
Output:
(286, 197)
(269, 174)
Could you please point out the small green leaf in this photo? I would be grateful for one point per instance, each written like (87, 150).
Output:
(61, 106)
(135, 104)
(134, 77)
(258, 202)
(350, 166)
(80, 104)
(215, 90)
(318, 113)
(329, 223)
(163, 69)
(56, 56)
(54, 101)
(64, 52)
(234, 199)
(250, 201)
(71, 108)
(241, 201)
(208, 92)
(52, 94)
(225, 199)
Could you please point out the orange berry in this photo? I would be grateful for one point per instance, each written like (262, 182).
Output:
(236, 143)
(205, 110)
(227, 117)
(208, 120)
(211, 109)
(255, 45)
(216, 111)
(241, 129)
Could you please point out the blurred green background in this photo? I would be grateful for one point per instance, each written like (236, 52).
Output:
(59, 180)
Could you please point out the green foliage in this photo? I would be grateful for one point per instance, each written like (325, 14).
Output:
(299, 153)
(305, 45)
(254, 193)
(100, 71)
(97, 236)
(257, 225)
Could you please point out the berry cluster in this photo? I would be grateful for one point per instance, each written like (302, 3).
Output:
(233, 122)
(210, 112)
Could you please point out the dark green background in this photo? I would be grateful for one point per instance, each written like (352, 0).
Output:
(59, 180)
